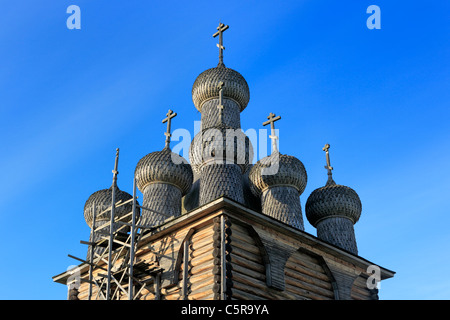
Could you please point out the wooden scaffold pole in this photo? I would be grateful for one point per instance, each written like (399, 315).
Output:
(111, 227)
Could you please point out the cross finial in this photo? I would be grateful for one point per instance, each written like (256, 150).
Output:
(115, 172)
(221, 28)
(220, 105)
(328, 166)
(169, 115)
(272, 118)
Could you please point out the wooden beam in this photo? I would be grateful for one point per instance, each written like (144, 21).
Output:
(119, 242)
(184, 291)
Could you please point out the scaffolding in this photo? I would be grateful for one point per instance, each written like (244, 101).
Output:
(115, 272)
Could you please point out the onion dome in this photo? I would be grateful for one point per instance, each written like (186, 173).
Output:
(220, 144)
(164, 166)
(277, 169)
(101, 200)
(206, 86)
(333, 200)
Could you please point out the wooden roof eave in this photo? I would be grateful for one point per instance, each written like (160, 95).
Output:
(232, 208)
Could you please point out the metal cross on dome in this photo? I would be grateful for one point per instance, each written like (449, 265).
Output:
(115, 172)
(221, 28)
(272, 118)
(169, 115)
(328, 166)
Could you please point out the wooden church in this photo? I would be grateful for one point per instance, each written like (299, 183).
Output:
(219, 227)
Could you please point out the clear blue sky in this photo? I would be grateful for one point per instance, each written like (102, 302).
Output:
(69, 98)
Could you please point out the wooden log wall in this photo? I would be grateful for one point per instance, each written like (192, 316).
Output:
(306, 278)
(305, 274)
(360, 290)
(164, 252)
(84, 286)
(201, 264)
(248, 271)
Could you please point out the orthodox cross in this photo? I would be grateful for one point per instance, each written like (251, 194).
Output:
(220, 105)
(115, 172)
(272, 118)
(328, 166)
(221, 28)
(169, 115)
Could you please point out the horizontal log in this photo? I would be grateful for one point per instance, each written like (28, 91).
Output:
(244, 237)
(287, 295)
(240, 251)
(172, 289)
(83, 295)
(174, 296)
(242, 244)
(305, 293)
(83, 286)
(360, 282)
(300, 268)
(242, 295)
(200, 251)
(251, 273)
(197, 244)
(199, 273)
(240, 229)
(193, 254)
(208, 265)
(202, 233)
(208, 297)
(201, 293)
(259, 288)
(303, 256)
(239, 284)
(250, 281)
(361, 290)
(309, 287)
(201, 259)
(198, 285)
(358, 296)
(201, 276)
(235, 259)
(307, 262)
(361, 287)
(147, 296)
(308, 279)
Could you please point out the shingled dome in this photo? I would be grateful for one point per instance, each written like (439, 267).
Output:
(166, 167)
(278, 169)
(206, 86)
(101, 200)
(333, 200)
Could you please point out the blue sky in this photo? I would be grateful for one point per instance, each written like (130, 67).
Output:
(380, 98)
